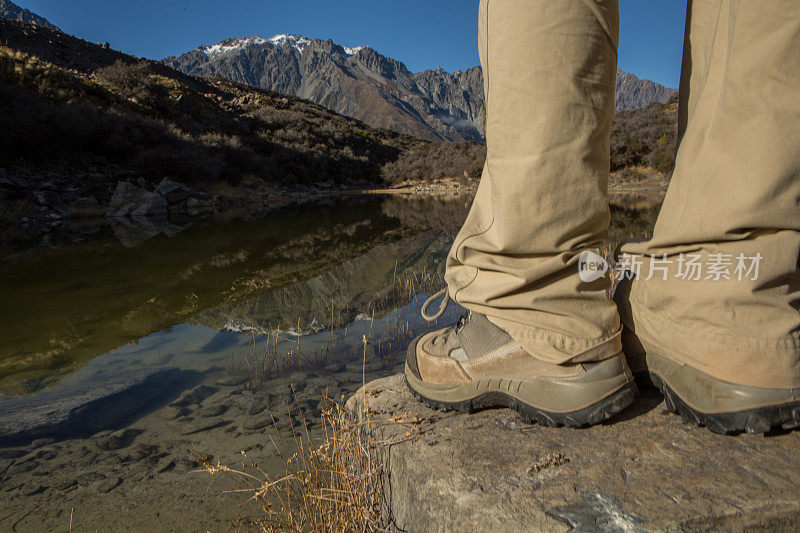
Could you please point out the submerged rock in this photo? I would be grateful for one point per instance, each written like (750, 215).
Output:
(645, 470)
(195, 396)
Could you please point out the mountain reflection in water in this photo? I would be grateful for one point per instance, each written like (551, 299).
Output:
(66, 305)
(298, 269)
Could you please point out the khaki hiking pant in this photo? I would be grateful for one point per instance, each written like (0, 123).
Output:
(733, 204)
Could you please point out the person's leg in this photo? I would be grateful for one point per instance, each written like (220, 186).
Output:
(718, 316)
(549, 76)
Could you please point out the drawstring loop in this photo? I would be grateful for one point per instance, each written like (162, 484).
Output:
(443, 294)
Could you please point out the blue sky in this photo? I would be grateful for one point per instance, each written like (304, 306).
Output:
(421, 33)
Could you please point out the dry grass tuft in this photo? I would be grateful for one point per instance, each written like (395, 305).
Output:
(336, 484)
(333, 484)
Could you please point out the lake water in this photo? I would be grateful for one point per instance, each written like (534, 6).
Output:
(127, 348)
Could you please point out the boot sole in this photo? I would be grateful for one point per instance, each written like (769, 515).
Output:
(757, 420)
(603, 409)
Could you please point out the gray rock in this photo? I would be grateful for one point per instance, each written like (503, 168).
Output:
(644, 471)
(133, 231)
(133, 201)
(172, 191)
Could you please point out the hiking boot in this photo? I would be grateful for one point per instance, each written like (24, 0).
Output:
(721, 406)
(476, 365)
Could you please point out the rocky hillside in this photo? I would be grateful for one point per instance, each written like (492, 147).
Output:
(361, 83)
(357, 82)
(635, 93)
(78, 115)
(9, 10)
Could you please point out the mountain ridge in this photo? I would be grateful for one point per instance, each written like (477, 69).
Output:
(362, 83)
(10, 10)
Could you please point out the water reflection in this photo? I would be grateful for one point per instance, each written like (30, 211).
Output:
(300, 269)
(64, 306)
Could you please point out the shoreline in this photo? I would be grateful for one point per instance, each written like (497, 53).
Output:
(53, 217)
(45, 215)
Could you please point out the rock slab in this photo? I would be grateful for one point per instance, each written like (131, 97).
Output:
(132, 201)
(172, 191)
(646, 470)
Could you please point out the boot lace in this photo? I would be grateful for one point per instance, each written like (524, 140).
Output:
(445, 296)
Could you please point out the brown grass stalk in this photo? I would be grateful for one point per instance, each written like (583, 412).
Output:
(334, 485)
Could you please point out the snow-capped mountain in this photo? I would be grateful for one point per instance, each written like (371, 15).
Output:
(228, 46)
(359, 82)
(352, 80)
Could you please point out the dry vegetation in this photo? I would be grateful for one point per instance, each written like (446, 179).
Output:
(133, 117)
(70, 105)
(642, 144)
(645, 138)
(436, 161)
(331, 484)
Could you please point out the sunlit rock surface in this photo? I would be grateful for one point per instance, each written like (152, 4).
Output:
(645, 471)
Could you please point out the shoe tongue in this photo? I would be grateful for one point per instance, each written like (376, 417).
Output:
(479, 336)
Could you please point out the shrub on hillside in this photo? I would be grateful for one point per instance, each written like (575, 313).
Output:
(642, 138)
(127, 76)
(436, 161)
(645, 137)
